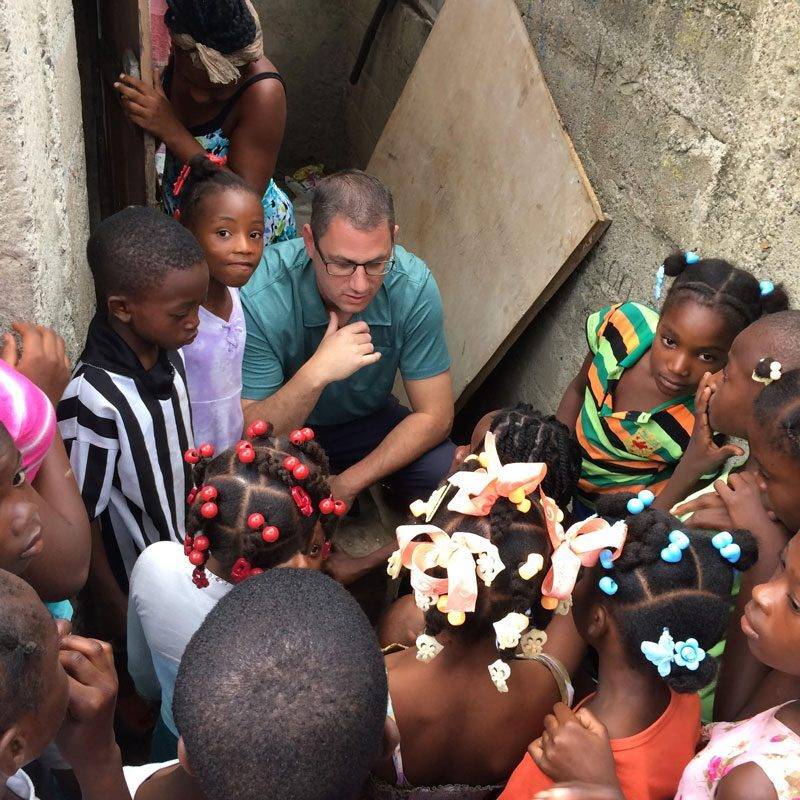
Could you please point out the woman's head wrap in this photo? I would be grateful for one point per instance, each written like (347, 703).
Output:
(220, 35)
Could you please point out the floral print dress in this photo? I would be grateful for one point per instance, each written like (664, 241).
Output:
(762, 740)
(279, 221)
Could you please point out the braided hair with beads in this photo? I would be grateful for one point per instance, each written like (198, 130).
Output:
(257, 504)
(668, 577)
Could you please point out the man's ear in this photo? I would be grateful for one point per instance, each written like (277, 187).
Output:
(396, 231)
(118, 307)
(183, 757)
(12, 751)
(308, 239)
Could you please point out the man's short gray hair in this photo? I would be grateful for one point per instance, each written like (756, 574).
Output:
(358, 197)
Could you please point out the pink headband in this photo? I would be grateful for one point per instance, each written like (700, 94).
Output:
(581, 545)
(479, 490)
(454, 553)
(28, 416)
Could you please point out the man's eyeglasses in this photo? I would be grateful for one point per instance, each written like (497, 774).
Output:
(344, 269)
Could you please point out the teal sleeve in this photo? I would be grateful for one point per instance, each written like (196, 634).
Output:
(262, 372)
(424, 351)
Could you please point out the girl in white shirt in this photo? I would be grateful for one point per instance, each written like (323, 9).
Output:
(264, 503)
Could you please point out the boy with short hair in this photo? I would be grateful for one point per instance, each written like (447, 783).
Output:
(125, 415)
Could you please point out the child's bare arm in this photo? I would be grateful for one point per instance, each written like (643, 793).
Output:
(571, 402)
(62, 568)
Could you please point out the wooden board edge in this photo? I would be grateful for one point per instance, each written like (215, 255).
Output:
(146, 67)
(567, 268)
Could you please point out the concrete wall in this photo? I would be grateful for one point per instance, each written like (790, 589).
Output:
(43, 275)
(305, 40)
(685, 115)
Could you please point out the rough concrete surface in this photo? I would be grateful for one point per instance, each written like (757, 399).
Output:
(685, 116)
(42, 171)
(305, 40)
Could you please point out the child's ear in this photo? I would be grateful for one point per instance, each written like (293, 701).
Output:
(12, 751)
(598, 624)
(118, 307)
(183, 757)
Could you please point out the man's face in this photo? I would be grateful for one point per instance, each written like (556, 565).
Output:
(342, 246)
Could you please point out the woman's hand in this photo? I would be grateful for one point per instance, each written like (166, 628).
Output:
(702, 452)
(43, 360)
(575, 746)
(149, 107)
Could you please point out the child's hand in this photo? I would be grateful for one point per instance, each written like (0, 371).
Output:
(87, 735)
(702, 452)
(44, 358)
(742, 498)
(708, 512)
(574, 746)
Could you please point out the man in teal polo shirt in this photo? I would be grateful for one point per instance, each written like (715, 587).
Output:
(330, 319)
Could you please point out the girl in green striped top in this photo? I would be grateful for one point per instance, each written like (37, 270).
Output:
(631, 404)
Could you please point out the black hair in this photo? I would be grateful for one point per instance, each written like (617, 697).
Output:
(524, 434)
(23, 645)
(282, 692)
(264, 487)
(779, 333)
(225, 25)
(204, 180)
(777, 409)
(691, 597)
(132, 251)
(716, 283)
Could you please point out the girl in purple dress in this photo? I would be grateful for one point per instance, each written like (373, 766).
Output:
(225, 215)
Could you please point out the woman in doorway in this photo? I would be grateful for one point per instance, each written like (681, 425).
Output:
(221, 95)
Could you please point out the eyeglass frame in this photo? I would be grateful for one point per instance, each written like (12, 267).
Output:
(388, 264)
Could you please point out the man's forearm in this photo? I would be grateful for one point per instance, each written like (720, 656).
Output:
(415, 435)
(290, 407)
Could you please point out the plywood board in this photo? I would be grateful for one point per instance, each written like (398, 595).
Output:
(488, 188)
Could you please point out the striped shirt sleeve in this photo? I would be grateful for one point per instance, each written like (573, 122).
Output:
(89, 431)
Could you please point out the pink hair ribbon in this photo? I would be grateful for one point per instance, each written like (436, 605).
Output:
(579, 546)
(454, 553)
(479, 490)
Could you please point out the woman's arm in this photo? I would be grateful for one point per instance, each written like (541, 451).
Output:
(258, 135)
(572, 401)
(63, 566)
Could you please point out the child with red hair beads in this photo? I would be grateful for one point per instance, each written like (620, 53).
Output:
(262, 504)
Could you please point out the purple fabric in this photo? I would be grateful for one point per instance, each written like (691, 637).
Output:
(214, 374)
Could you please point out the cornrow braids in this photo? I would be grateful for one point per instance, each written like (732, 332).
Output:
(257, 504)
(205, 178)
(524, 434)
(777, 409)
(646, 593)
(716, 283)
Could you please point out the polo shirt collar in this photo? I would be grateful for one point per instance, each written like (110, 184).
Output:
(106, 349)
(378, 312)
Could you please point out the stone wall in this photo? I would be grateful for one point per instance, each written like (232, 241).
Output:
(42, 171)
(685, 115)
